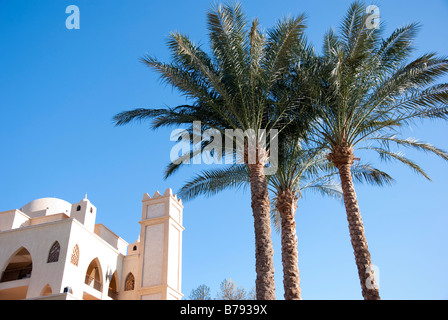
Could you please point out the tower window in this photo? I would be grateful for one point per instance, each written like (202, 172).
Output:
(130, 282)
(53, 256)
(78, 208)
(91, 210)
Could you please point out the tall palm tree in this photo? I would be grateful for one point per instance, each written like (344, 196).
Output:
(233, 89)
(370, 90)
(305, 170)
(299, 170)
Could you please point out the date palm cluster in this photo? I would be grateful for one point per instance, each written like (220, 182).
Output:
(357, 94)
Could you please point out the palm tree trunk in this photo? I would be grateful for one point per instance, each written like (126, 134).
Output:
(343, 160)
(264, 251)
(286, 205)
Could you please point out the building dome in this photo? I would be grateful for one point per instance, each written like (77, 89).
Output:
(46, 206)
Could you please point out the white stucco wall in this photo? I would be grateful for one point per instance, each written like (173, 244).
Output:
(153, 255)
(91, 247)
(13, 219)
(38, 240)
(155, 264)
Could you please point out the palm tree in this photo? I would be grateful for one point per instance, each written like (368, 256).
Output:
(299, 170)
(369, 91)
(305, 170)
(232, 89)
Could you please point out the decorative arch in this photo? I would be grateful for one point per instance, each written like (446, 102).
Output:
(113, 286)
(129, 283)
(75, 255)
(94, 275)
(19, 266)
(46, 291)
(53, 255)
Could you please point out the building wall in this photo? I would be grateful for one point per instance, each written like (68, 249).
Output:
(91, 247)
(38, 240)
(130, 265)
(13, 219)
(155, 261)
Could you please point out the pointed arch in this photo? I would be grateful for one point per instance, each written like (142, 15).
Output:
(46, 291)
(94, 275)
(75, 255)
(129, 284)
(113, 286)
(19, 266)
(53, 255)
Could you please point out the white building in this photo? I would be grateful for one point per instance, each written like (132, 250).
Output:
(51, 249)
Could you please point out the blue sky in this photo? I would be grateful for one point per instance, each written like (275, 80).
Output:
(59, 89)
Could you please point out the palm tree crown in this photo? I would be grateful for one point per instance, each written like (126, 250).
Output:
(370, 89)
(235, 87)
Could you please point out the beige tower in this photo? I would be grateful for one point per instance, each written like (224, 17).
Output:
(161, 247)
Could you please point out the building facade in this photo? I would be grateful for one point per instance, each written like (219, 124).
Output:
(52, 249)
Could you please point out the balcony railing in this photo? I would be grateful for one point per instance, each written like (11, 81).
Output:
(90, 281)
(16, 274)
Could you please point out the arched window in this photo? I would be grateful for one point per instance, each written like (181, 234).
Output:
(19, 267)
(135, 248)
(46, 291)
(75, 255)
(94, 275)
(113, 286)
(53, 256)
(91, 210)
(130, 282)
(78, 208)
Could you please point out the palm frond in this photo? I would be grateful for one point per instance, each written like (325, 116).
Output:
(276, 219)
(332, 189)
(138, 114)
(397, 47)
(364, 172)
(281, 46)
(387, 155)
(412, 143)
(211, 182)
